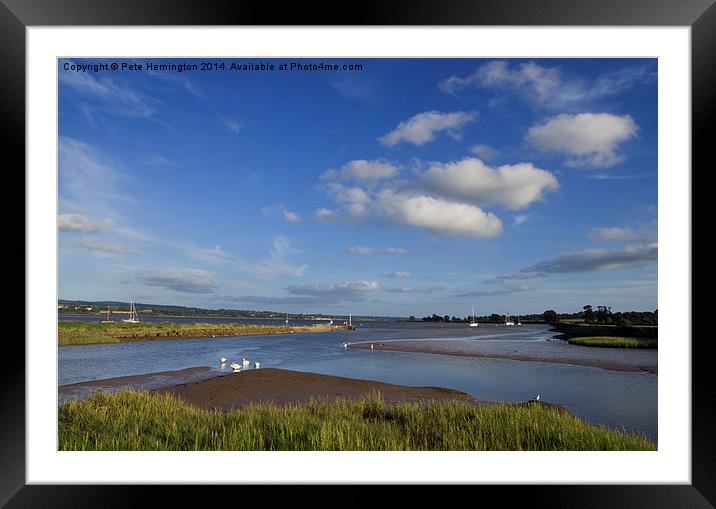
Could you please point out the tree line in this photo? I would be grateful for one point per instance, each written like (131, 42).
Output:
(588, 314)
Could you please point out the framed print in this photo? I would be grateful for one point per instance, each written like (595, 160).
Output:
(420, 246)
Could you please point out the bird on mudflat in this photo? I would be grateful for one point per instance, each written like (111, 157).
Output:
(245, 362)
(235, 366)
(257, 365)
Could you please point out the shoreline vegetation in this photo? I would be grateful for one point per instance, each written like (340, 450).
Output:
(87, 333)
(351, 415)
(614, 342)
(608, 336)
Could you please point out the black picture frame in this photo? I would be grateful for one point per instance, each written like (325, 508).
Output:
(700, 15)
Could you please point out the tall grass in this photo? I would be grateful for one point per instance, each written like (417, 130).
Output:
(614, 342)
(141, 421)
(80, 333)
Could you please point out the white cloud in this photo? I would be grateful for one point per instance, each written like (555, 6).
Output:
(613, 233)
(437, 215)
(538, 83)
(365, 250)
(398, 274)
(326, 215)
(360, 170)
(421, 128)
(279, 208)
(515, 186)
(80, 223)
(291, 217)
(350, 291)
(485, 151)
(590, 139)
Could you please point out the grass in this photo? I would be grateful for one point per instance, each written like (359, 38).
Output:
(614, 342)
(143, 421)
(83, 333)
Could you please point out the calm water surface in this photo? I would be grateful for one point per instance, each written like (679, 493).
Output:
(621, 399)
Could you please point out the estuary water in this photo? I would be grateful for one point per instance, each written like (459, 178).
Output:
(615, 398)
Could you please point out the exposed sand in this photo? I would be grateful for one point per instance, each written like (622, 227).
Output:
(282, 386)
(207, 389)
(534, 352)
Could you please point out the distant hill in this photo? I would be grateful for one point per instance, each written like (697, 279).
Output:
(86, 307)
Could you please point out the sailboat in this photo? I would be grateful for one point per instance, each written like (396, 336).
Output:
(507, 319)
(108, 320)
(518, 320)
(286, 318)
(132, 314)
(473, 323)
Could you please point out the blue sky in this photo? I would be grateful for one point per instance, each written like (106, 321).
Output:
(410, 186)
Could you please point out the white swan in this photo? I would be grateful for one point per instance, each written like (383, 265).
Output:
(235, 367)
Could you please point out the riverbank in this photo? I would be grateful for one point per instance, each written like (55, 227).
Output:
(86, 333)
(276, 409)
(560, 352)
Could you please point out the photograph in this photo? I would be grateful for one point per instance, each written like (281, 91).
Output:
(357, 254)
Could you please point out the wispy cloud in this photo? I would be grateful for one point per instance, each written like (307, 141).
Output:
(520, 219)
(421, 128)
(549, 87)
(352, 86)
(613, 233)
(80, 223)
(179, 280)
(349, 291)
(288, 215)
(588, 260)
(233, 126)
(494, 292)
(277, 263)
(415, 289)
(366, 250)
(485, 151)
(399, 274)
(100, 246)
(109, 96)
(156, 160)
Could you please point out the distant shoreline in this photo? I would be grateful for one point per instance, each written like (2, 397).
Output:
(422, 347)
(86, 333)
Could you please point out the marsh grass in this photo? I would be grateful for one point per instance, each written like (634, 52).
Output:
(82, 333)
(143, 421)
(614, 342)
